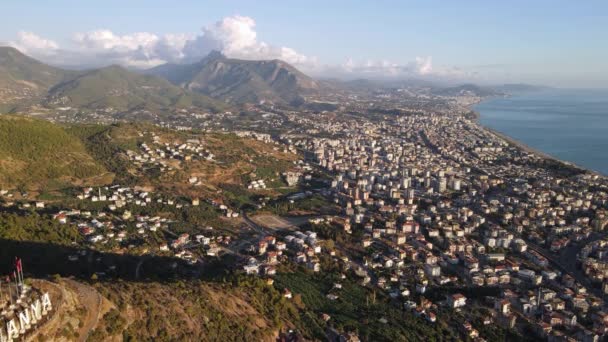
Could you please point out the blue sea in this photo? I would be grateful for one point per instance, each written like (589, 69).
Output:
(571, 125)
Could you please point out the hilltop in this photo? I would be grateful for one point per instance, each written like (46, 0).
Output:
(239, 81)
(36, 153)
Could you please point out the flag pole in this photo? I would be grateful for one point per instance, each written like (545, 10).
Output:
(10, 294)
(19, 268)
(21, 271)
(17, 285)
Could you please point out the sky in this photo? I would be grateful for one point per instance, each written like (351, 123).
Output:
(557, 43)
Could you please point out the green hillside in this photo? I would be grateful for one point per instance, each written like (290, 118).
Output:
(24, 79)
(121, 89)
(17, 69)
(35, 153)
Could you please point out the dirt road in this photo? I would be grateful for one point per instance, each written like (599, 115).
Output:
(91, 300)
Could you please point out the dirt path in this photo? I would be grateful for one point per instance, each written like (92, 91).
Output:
(91, 300)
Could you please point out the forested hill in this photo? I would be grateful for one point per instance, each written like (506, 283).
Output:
(36, 153)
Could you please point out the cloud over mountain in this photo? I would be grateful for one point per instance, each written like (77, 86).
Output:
(235, 36)
(31, 43)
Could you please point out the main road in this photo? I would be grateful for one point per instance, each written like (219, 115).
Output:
(566, 261)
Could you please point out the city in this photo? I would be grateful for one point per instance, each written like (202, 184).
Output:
(322, 172)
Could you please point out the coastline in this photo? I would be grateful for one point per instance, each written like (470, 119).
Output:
(523, 146)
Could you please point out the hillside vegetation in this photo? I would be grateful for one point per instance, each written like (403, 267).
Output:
(120, 89)
(36, 228)
(236, 160)
(40, 155)
(194, 311)
(36, 153)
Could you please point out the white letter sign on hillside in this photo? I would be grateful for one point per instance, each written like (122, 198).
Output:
(24, 320)
(21, 321)
(36, 310)
(46, 303)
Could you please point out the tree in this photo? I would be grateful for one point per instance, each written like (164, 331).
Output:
(297, 300)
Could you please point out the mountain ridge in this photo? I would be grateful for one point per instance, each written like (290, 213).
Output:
(239, 81)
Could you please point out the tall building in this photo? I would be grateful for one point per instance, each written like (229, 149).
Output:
(441, 184)
(456, 184)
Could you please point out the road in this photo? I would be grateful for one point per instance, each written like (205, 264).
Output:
(566, 262)
(236, 247)
(259, 229)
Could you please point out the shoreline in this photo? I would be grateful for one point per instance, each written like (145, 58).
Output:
(523, 146)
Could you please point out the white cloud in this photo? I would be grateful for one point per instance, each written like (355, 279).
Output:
(420, 67)
(103, 40)
(424, 65)
(140, 50)
(383, 68)
(234, 36)
(30, 43)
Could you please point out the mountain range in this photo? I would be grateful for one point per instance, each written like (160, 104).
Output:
(25, 82)
(215, 83)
